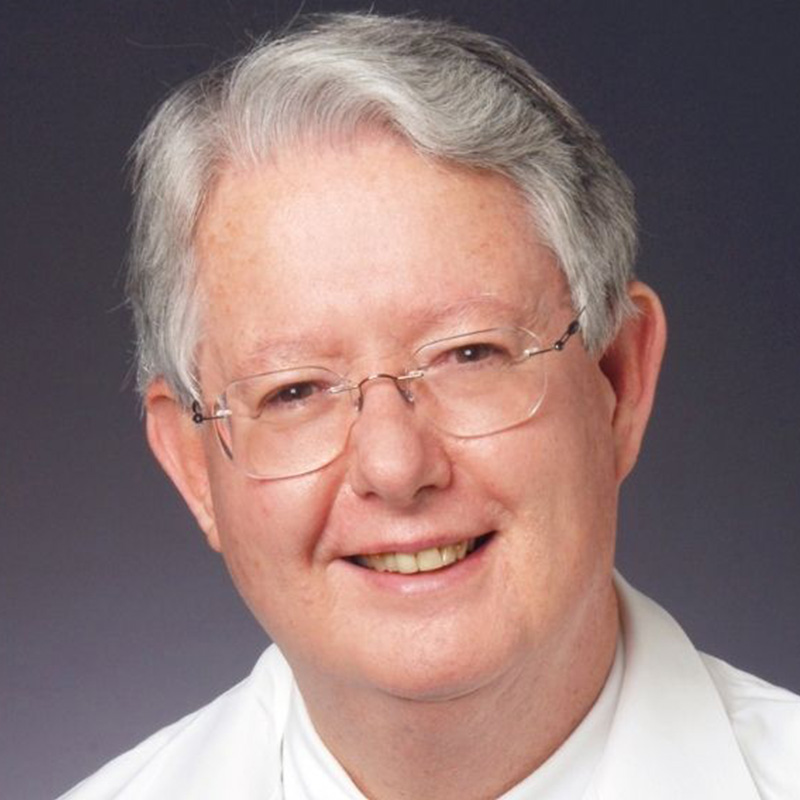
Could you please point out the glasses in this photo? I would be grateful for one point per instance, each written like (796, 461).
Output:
(294, 421)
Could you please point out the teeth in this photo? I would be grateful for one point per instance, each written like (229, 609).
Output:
(390, 563)
(429, 559)
(407, 563)
(424, 561)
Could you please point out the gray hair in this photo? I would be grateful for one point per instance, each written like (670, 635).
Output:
(451, 93)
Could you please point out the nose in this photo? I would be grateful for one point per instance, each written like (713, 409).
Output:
(394, 454)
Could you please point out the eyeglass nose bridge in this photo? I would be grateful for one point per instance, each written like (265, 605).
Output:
(399, 381)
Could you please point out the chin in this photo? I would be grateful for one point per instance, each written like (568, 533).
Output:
(433, 670)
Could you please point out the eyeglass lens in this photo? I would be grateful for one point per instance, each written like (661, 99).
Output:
(290, 422)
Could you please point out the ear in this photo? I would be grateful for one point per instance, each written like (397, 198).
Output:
(177, 443)
(632, 364)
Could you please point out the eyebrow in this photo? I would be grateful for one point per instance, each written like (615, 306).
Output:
(270, 353)
(317, 345)
(525, 313)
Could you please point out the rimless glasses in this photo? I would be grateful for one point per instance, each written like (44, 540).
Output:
(293, 421)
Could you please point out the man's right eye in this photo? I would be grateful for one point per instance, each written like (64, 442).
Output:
(290, 396)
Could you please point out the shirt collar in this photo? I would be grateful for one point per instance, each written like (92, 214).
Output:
(671, 736)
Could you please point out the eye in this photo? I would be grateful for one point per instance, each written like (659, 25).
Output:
(475, 355)
(292, 394)
(292, 397)
(494, 349)
(471, 353)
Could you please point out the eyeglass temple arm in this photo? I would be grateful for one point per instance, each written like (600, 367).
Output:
(559, 344)
(571, 330)
(197, 414)
(199, 418)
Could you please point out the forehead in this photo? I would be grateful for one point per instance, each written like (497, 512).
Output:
(364, 239)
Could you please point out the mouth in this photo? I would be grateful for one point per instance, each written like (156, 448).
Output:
(427, 560)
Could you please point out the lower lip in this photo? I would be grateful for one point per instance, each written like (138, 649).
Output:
(438, 580)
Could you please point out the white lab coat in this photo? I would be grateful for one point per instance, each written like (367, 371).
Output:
(687, 727)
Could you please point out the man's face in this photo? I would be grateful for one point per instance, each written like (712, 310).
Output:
(350, 258)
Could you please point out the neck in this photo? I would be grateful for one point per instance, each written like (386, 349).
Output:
(474, 746)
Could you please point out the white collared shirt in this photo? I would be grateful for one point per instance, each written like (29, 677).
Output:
(684, 727)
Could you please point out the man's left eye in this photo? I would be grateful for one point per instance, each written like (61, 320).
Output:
(474, 352)
(483, 354)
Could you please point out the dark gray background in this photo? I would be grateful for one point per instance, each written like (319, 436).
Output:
(114, 617)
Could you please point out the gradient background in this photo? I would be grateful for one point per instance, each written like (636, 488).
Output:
(115, 619)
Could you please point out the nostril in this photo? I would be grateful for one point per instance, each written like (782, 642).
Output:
(407, 394)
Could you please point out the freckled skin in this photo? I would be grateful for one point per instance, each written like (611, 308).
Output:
(341, 249)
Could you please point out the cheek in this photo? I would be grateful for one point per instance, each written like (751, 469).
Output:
(269, 533)
(553, 457)
(554, 477)
(585, 479)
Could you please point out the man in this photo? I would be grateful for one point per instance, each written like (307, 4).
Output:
(394, 358)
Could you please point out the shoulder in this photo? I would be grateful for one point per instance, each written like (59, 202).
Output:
(766, 723)
(203, 755)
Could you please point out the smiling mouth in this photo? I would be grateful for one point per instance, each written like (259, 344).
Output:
(428, 560)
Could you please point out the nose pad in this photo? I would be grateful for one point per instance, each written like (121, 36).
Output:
(402, 386)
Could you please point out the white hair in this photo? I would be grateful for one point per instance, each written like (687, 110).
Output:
(451, 93)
